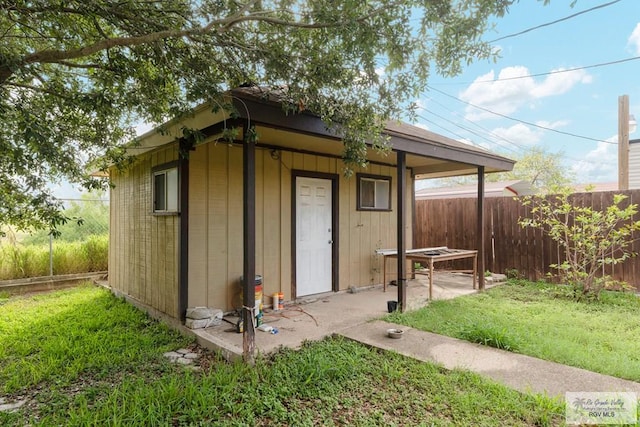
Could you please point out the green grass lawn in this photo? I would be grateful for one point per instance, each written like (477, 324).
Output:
(84, 357)
(542, 320)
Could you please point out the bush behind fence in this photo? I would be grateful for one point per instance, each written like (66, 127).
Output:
(508, 247)
(82, 247)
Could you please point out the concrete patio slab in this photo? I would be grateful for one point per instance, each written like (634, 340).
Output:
(319, 316)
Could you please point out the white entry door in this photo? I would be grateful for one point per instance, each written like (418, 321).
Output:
(313, 236)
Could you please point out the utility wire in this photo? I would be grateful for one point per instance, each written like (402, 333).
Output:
(602, 64)
(521, 121)
(494, 135)
(483, 129)
(460, 137)
(555, 22)
(456, 125)
(471, 131)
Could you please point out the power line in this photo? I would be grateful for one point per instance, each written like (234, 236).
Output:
(494, 135)
(602, 64)
(519, 120)
(459, 126)
(461, 138)
(555, 22)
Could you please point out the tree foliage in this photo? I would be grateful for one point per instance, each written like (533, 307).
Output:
(589, 238)
(76, 76)
(542, 169)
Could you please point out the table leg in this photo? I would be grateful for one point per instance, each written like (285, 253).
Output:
(430, 280)
(475, 271)
(384, 273)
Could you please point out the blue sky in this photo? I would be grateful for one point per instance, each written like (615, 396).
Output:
(582, 102)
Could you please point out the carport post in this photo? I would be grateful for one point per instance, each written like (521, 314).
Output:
(480, 229)
(249, 244)
(402, 245)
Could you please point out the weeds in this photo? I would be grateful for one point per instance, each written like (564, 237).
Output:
(489, 336)
(19, 261)
(91, 359)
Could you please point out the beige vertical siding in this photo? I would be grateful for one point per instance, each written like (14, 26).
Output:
(143, 248)
(215, 223)
(634, 165)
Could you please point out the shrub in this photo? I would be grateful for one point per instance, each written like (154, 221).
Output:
(590, 238)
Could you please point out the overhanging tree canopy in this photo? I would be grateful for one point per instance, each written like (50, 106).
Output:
(75, 76)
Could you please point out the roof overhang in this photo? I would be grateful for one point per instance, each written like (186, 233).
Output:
(429, 155)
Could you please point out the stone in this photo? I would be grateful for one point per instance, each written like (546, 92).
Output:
(497, 277)
(10, 407)
(184, 361)
(192, 356)
(199, 313)
(203, 323)
(196, 324)
(172, 355)
(183, 351)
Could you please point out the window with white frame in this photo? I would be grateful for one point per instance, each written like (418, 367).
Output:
(165, 190)
(374, 192)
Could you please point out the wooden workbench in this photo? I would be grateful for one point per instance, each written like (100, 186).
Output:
(430, 256)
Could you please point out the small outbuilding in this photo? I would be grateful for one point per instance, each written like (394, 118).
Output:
(513, 188)
(190, 218)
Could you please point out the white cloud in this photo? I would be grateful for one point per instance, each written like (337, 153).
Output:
(559, 83)
(420, 104)
(513, 88)
(467, 141)
(634, 40)
(421, 126)
(599, 164)
(143, 128)
(552, 125)
(519, 134)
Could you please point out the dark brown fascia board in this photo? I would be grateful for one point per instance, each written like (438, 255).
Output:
(271, 115)
(268, 113)
(456, 154)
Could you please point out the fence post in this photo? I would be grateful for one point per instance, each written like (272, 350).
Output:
(480, 229)
(50, 255)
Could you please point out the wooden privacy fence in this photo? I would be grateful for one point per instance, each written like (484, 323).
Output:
(508, 247)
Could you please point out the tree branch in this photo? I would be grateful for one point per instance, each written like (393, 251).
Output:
(40, 89)
(223, 25)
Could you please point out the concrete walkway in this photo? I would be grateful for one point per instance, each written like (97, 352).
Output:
(524, 373)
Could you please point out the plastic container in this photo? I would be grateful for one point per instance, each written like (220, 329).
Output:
(392, 306)
(258, 298)
(258, 307)
(280, 301)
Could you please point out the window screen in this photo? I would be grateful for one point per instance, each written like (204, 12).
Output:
(165, 190)
(374, 192)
